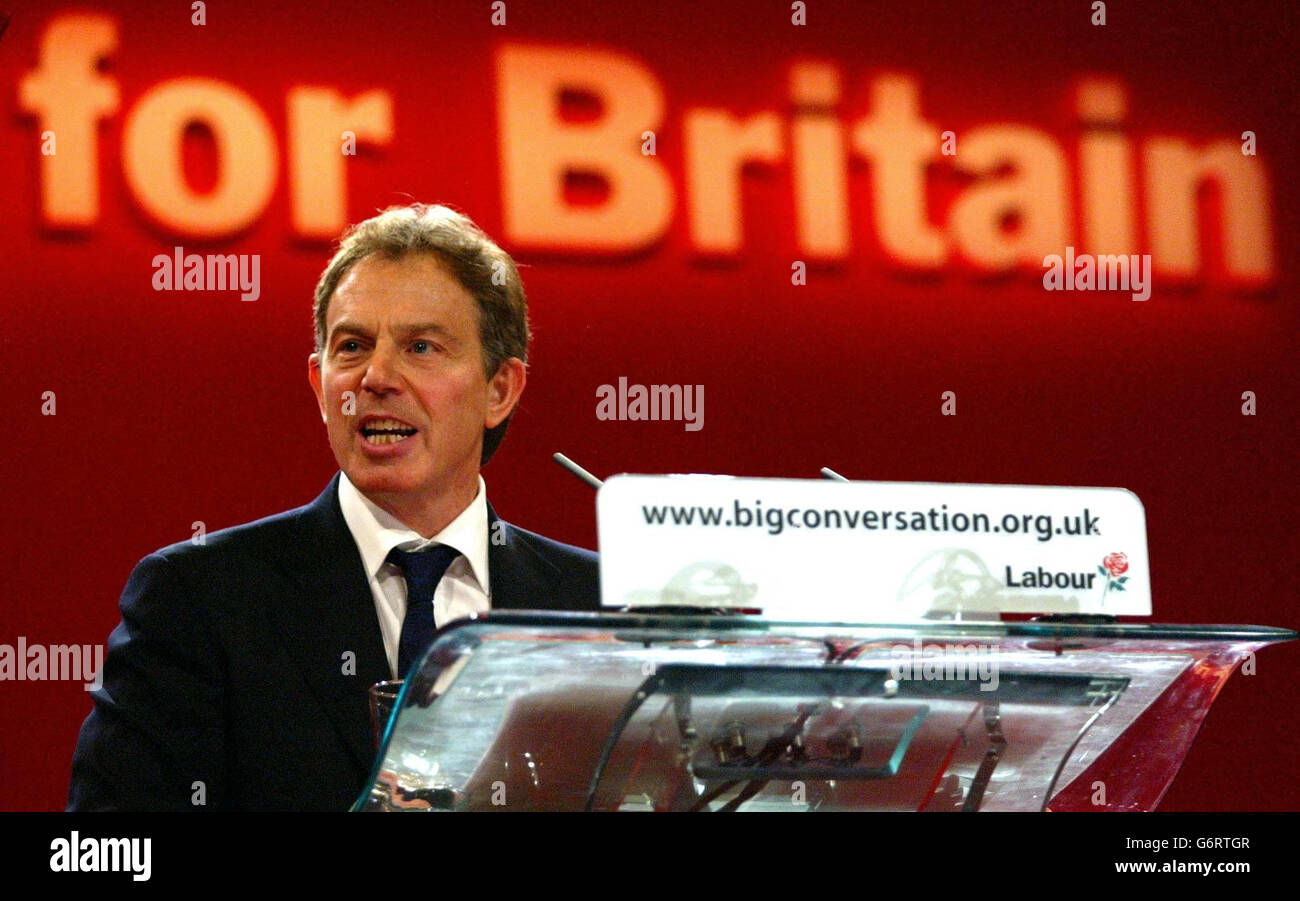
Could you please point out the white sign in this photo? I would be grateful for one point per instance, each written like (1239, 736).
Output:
(815, 550)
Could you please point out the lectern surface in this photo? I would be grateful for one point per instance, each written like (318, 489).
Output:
(516, 711)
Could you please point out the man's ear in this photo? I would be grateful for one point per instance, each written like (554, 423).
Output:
(504, 390)
(313, 376)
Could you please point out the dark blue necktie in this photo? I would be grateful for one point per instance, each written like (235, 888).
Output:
(423, 570)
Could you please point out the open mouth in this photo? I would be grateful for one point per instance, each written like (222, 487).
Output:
(386, 431)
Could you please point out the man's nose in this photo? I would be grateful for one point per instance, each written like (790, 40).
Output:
(381, 371)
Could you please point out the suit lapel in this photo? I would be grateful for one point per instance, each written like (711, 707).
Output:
(331, 616)
(333, 611)
(521, 578)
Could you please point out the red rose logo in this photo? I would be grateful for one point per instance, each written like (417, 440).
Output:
(1116, 564)
(1111, 567)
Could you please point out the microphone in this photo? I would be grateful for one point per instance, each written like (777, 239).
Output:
(576, 470)
(828, 473)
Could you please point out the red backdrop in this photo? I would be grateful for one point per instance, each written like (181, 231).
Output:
(174, 407)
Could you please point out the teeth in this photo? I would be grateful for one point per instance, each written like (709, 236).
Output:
(386, 431)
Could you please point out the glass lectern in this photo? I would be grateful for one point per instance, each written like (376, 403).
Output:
(691, 712)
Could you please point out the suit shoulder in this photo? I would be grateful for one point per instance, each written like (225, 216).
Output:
(557, 551)
(246, 538)
(573, 582)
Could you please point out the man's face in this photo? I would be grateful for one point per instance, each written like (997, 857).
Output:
(402, 336)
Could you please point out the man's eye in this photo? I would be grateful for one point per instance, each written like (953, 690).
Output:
(422, 347)
(349, 346)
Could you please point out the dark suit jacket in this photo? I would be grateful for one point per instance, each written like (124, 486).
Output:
(229, 667)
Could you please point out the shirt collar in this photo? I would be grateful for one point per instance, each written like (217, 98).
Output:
(377, 532)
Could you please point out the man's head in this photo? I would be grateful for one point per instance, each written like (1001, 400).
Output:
(421, 320)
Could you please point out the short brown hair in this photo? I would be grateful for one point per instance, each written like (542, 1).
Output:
(485, 270)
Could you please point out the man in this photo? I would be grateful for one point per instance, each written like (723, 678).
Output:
(238, 677)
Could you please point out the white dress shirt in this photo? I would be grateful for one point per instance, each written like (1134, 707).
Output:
(464, 588)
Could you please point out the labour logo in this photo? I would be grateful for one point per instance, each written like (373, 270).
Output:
(1113, 567)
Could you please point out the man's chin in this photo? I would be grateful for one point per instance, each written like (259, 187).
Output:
(380, 483)
(377, 478)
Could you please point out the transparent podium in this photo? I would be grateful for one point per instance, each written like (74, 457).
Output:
(692, 712)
